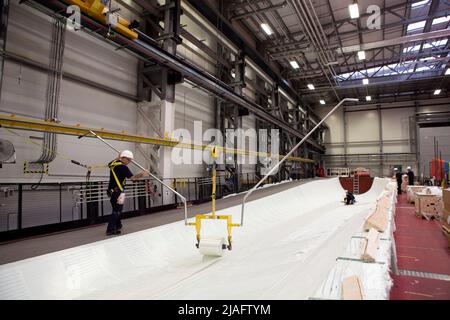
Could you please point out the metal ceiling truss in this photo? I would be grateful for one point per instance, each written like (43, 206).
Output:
(326, 36)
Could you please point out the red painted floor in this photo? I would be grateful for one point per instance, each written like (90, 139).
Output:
(412, 288)
(421, 246)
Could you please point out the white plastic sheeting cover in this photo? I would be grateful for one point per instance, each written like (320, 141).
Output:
(375, 277)
(285, 250)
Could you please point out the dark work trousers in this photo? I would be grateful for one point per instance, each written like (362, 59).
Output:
(114, 219)
(349, 200)
(398, 176)
(399, 187)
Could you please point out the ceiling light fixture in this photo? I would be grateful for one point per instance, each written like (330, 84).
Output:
(354, 11)
(311, 86)
(294, 64)
(361, 55)
(266, 28)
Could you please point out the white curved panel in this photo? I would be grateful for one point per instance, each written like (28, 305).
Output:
(287, 247)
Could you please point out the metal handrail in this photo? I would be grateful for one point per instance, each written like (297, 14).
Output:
(156, 178)
(286, 156)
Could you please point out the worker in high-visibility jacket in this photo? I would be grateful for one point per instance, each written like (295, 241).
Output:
(119, 173)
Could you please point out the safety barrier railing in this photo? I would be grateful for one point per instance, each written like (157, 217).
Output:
(22, 206)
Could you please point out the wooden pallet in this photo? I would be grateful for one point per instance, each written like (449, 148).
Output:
(446, 230)
(411, 190)
(427, 205)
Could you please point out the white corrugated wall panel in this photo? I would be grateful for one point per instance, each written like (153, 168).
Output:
(24, 92)
(362, 126)
(249, 124)
(396, 127)
(193, 105)
(336, 132)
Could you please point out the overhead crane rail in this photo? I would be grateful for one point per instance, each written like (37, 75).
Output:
(147, 48)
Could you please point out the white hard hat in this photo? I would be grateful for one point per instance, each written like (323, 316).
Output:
(395, 169)
(126, 154)
(409, 168)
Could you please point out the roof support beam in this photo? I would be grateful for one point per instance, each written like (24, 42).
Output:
(248, 14)
(396, 41)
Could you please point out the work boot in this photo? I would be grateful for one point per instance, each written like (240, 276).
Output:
(113, 232)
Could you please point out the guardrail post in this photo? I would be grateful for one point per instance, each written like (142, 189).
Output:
(19, 208)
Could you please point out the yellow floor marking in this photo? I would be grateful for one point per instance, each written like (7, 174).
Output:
(407, 257)
(419, 294)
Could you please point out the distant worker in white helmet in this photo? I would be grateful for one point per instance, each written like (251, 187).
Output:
(410, 174)
(119, 172)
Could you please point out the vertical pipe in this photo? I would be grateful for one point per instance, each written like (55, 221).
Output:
(162, 193)
(380, 137)
(213, 193)
(100, 195)
(4, 13)
(417, 142)
(134, 196)
(19, 208)
(345, 136)
(81, 204)
(436, 162)
(195, 189)
(60, 202)
(189, 189)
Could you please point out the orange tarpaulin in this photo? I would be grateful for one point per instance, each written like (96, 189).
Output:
(438, 168)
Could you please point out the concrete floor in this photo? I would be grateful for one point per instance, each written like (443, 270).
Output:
(36, 246)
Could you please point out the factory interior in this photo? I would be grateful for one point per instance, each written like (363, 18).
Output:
(258, 150)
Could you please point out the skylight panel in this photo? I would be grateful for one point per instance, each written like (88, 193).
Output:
(441, 20)
(438, 43)
(420, 4)
(423, 68)
(416, 26)
(411, 49)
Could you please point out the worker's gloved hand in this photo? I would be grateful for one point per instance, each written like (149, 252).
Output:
(121, 199)
(145, 173)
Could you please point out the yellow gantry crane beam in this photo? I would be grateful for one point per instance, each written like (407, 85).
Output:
(98, 11)
(14, 122)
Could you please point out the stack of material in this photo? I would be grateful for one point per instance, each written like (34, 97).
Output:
(352, 289)
(411, 191)
(371, 245)
(380, 216)
(404, 185)
(446, 213)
